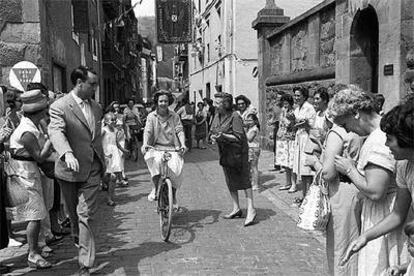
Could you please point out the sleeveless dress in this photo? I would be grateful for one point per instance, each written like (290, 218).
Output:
(113, 155)
(26, 174)
(345, 222)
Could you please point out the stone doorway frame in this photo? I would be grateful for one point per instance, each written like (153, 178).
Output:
(364, 49)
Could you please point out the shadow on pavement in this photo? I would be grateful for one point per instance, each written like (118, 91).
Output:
(187, 222)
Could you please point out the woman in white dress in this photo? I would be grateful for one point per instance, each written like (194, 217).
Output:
(305, 116)
(398, 124)
(23, 170)
(373, 175)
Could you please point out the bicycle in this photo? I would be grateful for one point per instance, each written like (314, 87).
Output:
(165, 195)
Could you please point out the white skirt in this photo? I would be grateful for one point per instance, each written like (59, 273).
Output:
(153, 158)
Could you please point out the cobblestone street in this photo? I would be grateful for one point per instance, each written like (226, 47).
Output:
(202, 242)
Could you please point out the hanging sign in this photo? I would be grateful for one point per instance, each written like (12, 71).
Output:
(174, 21)
(23, 73)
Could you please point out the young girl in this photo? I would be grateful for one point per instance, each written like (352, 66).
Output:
(113, 154)
(285, 143)
(253, 128)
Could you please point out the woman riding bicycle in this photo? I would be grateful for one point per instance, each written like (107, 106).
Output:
(164, 131)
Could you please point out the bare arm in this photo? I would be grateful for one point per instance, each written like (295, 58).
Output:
(392, 221)
(30, 143)
(334, 146)
(375, 183)
(251, 135)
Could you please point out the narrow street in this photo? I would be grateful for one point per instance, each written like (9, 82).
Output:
(202, 242)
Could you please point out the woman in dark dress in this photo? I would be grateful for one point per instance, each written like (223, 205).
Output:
(227, 131)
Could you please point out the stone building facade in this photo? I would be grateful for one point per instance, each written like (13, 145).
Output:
(224, 53)
(43, 32)
(58, 36)
(364, 42)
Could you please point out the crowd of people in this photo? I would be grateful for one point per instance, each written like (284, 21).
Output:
(365, 157)
(59, 151)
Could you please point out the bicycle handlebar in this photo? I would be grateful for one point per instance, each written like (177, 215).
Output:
(164, 150)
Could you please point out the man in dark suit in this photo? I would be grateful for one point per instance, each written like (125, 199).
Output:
(75, 132)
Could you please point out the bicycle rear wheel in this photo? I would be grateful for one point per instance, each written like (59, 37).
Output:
(165, 208)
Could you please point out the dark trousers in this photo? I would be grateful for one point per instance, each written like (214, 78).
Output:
(188, 125)
(81, 201)
(4, 237)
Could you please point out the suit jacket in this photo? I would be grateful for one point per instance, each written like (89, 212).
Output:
(69, 131)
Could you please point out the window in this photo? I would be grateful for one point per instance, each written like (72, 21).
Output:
(208, 92)
(59, 78)
(208, 52)
(75, 35)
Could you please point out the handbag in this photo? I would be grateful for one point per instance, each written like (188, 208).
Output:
(231, 155)
(48, 168)
(315, 211)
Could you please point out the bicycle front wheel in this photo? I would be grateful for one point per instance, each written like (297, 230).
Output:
(165, 204)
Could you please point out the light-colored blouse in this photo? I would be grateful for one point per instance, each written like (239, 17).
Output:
(163, 132)
(374, 151)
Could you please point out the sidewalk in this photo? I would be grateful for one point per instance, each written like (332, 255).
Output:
(270, 182)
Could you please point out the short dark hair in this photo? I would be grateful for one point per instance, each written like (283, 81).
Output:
(323, 93)
(303, 91)
(287, 98)
(200, 103)
(160, 93)
(399, 122)
(80, 72)
(255, 119)
(244, 99)
(131, 99)
(379, 101)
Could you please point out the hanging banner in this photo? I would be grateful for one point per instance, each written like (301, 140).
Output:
(174, 21)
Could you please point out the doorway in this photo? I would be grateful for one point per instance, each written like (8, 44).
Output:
(364, 51)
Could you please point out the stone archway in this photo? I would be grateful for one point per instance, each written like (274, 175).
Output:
(364, 50)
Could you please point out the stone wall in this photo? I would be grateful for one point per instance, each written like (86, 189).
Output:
(302, 53)
(19, 34)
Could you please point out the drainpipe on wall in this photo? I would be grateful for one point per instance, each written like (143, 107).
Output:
(233, 47)
(100, 88)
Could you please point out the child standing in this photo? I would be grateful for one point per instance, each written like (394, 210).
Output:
(252, 133)
(113, 151)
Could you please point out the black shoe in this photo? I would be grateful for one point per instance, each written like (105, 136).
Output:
(4, 269)
(233, 215)
(250, 222)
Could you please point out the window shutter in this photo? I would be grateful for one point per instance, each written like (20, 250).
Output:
(80, 16)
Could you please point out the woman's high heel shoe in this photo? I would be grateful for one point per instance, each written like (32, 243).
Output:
(250, 222)
(233, 215)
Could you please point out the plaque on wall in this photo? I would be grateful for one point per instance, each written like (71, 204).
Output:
(388, 69)
(174, 21)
